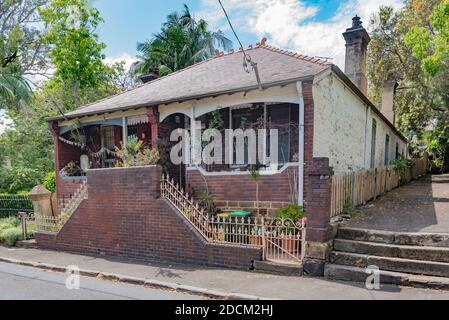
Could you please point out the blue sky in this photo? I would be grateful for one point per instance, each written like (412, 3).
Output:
(312, 27)
(127, 22)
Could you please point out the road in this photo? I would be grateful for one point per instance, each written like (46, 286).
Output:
(20, 282)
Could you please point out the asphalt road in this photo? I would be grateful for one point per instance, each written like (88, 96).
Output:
(20, 282)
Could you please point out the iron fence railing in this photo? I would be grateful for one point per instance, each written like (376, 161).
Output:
(11, 204)
(281, 239)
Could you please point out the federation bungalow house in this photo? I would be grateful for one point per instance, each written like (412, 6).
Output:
(319, 111)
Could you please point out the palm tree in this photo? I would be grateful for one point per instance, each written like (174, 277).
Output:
(182, 41)
(13, 88)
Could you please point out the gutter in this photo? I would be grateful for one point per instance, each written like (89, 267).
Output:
(182, 99)
(300, 145)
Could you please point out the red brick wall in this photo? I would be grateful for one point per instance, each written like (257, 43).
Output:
(241, 187)
(124, 217)
(67, 187)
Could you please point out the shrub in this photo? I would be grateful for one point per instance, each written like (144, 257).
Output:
(10, 231)
(291, 211)
(72, 170)
(11, 236)
(9, 222)
(133, 154)
(207, 202)
(402, 166)
(49, 181)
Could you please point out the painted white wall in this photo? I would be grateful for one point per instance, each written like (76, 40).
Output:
(340, 120)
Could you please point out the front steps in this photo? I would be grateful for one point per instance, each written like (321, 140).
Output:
(410, 259)
(277, 268)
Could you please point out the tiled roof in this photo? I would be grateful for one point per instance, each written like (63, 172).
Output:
(220, 74)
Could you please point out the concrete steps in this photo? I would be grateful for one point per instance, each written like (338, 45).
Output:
(428, 253)
(278, 268)
(350, 273)
(399, 238)
(420, 259)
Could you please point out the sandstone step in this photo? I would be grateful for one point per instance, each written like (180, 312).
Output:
(278, 268)
(430, 268)
(399, 238)
(357, 274)
(437, 254)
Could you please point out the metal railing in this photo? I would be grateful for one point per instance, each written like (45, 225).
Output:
(10, 205)
(281, 239)
(54, 224)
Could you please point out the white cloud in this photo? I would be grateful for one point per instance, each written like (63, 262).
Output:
(4, 121)
(127, 58)
(289, 23)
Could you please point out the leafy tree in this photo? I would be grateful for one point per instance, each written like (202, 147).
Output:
(430, 42)
(421, 101)
(80, 74)
(182, 41)
(22, 50)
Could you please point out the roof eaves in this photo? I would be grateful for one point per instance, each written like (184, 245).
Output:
(183, 99)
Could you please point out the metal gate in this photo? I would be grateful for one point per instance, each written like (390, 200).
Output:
(283, 240)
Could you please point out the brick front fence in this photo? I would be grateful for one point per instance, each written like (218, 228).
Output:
(125, 217)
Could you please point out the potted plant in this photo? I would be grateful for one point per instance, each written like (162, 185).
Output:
(290, 215)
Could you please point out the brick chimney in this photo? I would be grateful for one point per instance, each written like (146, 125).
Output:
(357, 40)
(150, 76)
(387, 107)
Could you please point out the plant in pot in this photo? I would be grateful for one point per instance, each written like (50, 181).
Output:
(289, 215)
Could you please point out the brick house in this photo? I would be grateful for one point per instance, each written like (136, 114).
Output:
(322, 112)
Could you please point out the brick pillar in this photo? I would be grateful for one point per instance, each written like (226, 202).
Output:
(318, 219)
(153, 117)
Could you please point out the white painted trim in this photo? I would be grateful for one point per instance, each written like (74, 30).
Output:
(241, 173)
(280, 94)
(301, 145)
(102, 117)
(124, 130)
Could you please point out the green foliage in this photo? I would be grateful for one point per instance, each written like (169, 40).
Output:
(430, 43)
(71, 169)
(134, 154)
(403, 166)
(348, 208)
(216, 122)
(182, 41)
(49, 181)
(254, 174)
(10, 231)
(19, 179)
(206, 201)
(401, 41)
(437, 142)
(291, 211)
(21, 50)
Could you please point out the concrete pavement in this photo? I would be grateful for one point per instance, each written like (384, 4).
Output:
(420, 206)
(231, 281)
(19, 282)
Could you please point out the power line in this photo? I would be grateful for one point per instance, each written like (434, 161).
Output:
(247, 61)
